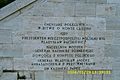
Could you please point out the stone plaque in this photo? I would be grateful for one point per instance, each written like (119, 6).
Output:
(63, 43)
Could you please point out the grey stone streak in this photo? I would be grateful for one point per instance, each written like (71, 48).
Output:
(106, 10)
(80, 1)
(10, 76)
(13, 7)
(5, 36)
(97, 1)
(85, 9)
(113, 23)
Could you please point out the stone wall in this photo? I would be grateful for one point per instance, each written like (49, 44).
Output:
(23, 17)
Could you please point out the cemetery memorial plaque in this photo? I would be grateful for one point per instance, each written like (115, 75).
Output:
(60, 40)
(65, 43)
